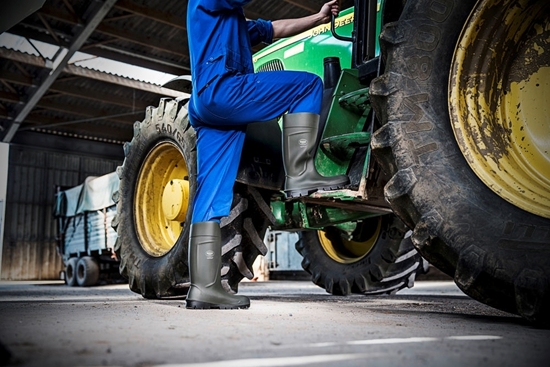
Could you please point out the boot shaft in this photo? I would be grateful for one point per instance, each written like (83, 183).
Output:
(299, 143)
(204, 253)
(299, 140)
(206, 290)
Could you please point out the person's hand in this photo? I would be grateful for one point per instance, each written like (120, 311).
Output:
(329, 9)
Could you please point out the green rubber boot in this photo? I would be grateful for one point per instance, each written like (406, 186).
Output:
(204, 270)
(299, 142)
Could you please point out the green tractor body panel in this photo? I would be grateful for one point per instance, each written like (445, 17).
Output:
(306, 51)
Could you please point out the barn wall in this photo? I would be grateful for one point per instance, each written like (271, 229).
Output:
(29, 249)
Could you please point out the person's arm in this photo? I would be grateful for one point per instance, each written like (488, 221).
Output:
(290, 27)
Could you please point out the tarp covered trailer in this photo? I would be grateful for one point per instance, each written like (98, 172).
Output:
(85, 237)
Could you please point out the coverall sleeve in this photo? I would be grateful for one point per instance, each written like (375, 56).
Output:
(221, 5)
(260, 31)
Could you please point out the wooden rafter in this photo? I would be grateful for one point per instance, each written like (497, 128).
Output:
(50, 30)
(119, 33)
(69, 7)
(153, 14)
(8, 86)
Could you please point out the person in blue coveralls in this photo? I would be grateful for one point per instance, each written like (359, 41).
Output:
(227, 95)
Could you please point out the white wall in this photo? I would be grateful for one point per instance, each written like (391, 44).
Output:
(4, 155)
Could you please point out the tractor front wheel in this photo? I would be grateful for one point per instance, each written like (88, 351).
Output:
(378, 259)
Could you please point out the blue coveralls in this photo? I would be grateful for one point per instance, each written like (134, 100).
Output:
(227, 95)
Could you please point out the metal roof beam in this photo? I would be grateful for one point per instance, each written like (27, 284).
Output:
(104, 49)
(86, 112)
(60, 62)
(144, 61)
(130, 83)
(91, 74)
(62, 88)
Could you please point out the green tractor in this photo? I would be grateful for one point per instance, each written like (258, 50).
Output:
(437, 110)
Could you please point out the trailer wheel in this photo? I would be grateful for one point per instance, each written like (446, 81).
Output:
(377, 260)
(87, 271)
(464, 106)
(157, 185)
(70, 272)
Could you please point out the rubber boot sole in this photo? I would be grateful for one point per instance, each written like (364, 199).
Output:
(308, 191)
(198, 305)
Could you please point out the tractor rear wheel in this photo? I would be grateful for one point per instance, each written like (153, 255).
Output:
(466, 136)
(157, 185)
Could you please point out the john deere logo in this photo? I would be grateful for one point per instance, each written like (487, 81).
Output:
(302, 143)
(209, 255)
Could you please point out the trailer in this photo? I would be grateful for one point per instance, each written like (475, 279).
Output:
(84, 234)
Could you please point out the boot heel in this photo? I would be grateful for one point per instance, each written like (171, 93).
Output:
(198, 305)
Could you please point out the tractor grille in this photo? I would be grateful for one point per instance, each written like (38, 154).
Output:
(273, 65)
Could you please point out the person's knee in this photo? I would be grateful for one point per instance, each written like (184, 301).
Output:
(315, 81)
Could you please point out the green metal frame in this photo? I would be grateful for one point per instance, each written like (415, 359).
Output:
(347, 126)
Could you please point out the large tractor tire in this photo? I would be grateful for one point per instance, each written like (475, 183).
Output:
(464, 103)
(157, 185)
(378, 259)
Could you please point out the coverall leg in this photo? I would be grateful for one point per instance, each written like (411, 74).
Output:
(220, 115)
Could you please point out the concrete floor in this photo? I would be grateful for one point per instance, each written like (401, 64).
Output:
(288, 324)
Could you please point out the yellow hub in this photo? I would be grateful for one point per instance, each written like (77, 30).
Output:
(175, 199)
(499, 94)
(161, 199)
(347, 251)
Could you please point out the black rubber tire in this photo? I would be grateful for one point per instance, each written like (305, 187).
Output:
(242, 234)
(168, 275)
(496, 252)
(87, 271)
(391, 265)
(70, 272)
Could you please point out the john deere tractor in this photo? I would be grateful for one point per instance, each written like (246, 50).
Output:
(437, 110)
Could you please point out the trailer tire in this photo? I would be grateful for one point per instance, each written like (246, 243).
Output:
(87, 271)
(384, 263)
(496, 252)
(70, 272)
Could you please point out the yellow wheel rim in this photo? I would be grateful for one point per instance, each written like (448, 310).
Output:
(348, 251)
(500, 99)
(161, 199)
